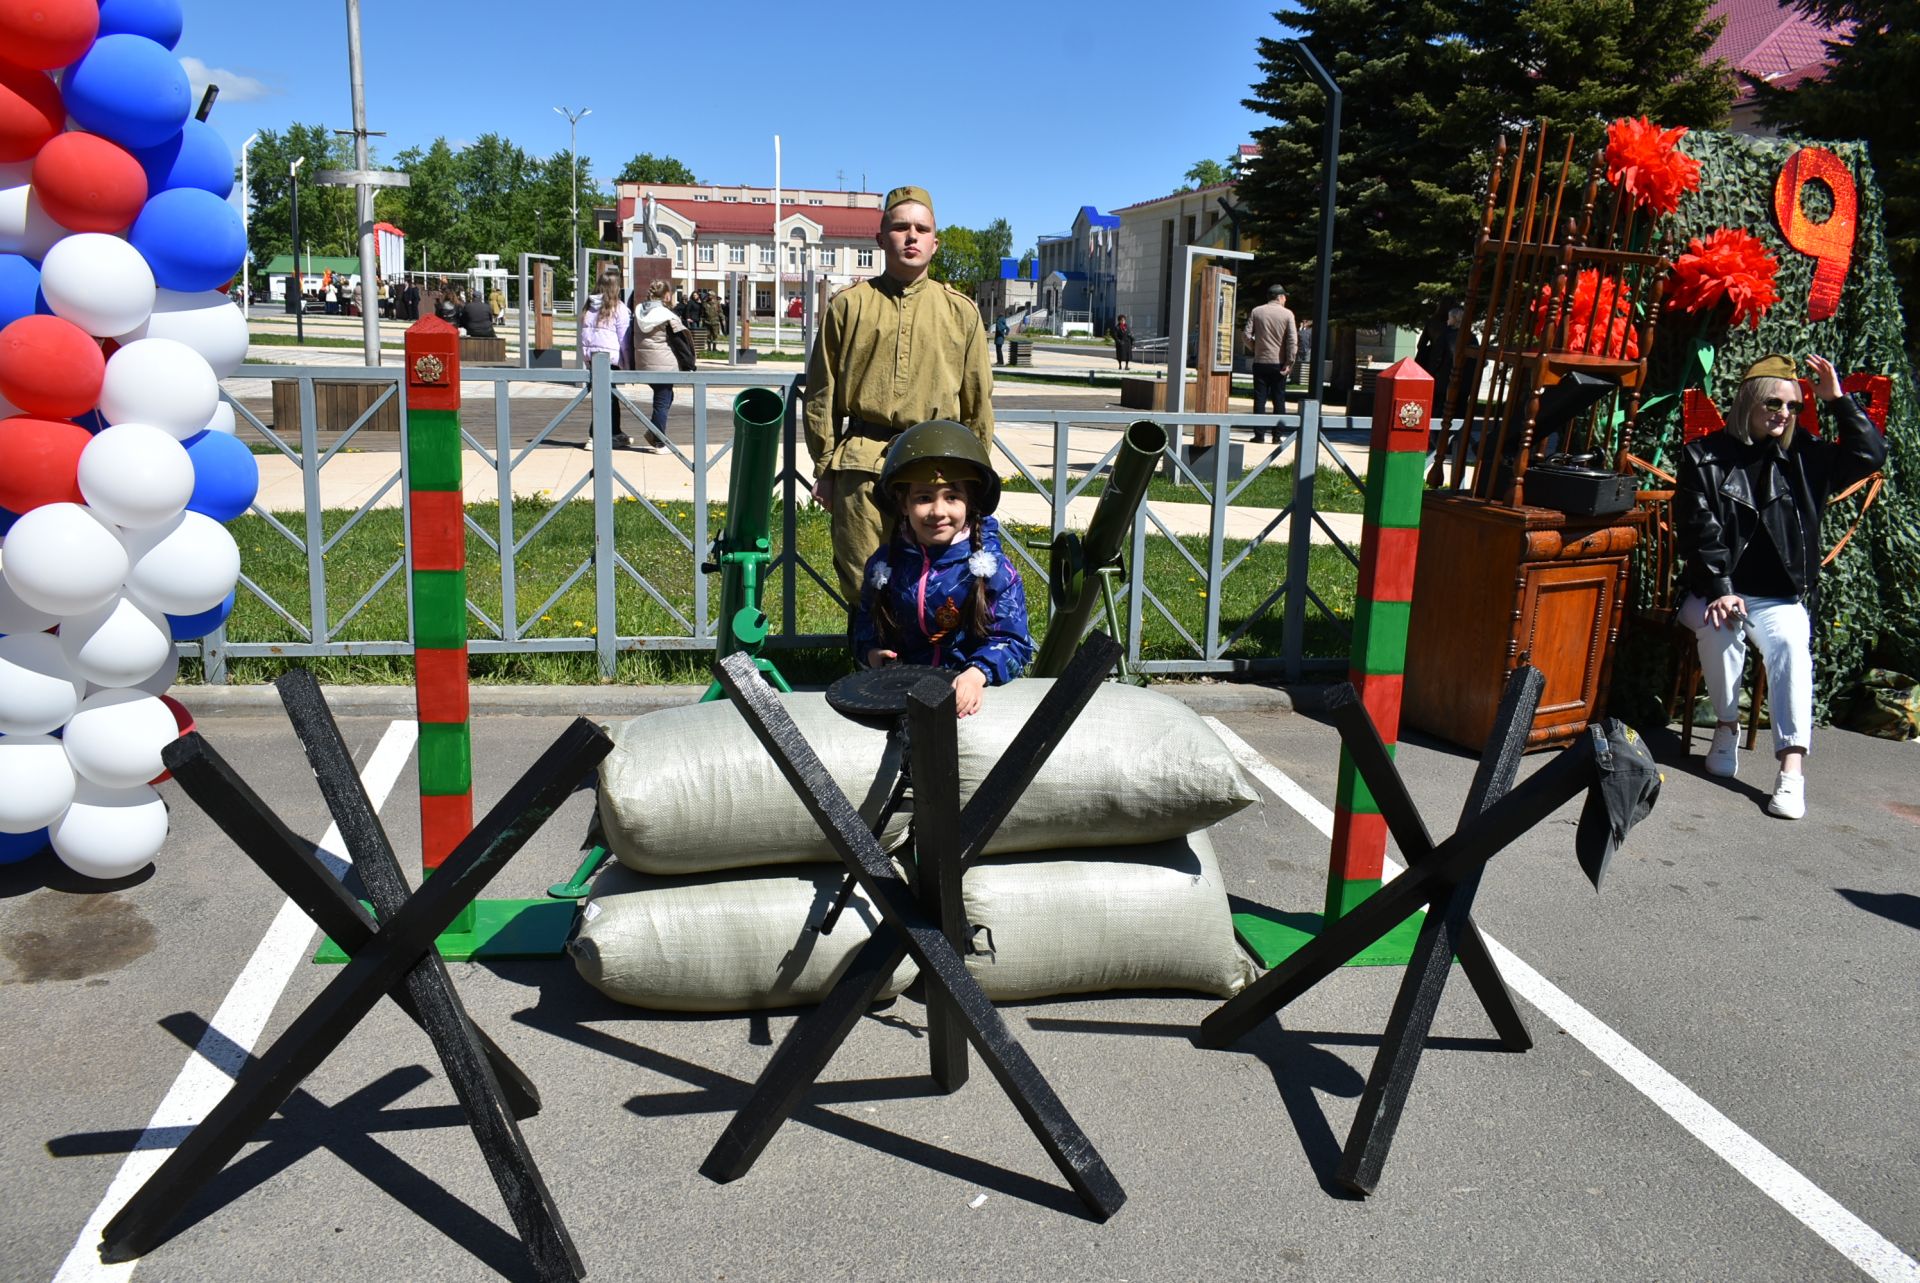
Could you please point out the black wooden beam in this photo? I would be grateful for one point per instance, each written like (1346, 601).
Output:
(379, 966)
(1549, 788)
(923, 937)
(934, 732)
(455, 1040)
(1375, 765)
(1425, 980)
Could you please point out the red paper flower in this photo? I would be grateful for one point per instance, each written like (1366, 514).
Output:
(1600, 320)
(1729, 268)
(1645, 161)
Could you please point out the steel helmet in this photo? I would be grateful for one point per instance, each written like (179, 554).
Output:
(942, 441)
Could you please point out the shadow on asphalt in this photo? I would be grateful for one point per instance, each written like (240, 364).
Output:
(565, 1016)
(345, 1129)
(1897, 906)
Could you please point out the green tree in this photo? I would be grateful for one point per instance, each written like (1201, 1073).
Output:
(327, 223)
(649, 168)
(1870, 92)
(957, 262)
(1426, 86)
(1207, 173)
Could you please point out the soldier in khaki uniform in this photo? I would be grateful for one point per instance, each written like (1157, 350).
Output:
(893, 351)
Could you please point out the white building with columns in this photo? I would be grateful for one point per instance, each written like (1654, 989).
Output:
(714, 231)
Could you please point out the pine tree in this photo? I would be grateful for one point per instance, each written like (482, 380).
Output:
(1427, 86)
(1870, 92)
(1408, 165)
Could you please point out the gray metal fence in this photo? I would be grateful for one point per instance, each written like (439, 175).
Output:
(530, 407)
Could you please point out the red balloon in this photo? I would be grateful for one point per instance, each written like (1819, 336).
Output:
(50, 368)
(89, 184)
(47, 33)
(30, 109)
(40, 462)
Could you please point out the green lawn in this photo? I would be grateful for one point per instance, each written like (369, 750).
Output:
(374, 545)
(1332, 490)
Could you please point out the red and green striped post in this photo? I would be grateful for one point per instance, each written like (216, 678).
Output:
(1389, 545)
(437, 586)
(437, 515)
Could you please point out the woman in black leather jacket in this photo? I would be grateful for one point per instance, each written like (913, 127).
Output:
(1748, 506)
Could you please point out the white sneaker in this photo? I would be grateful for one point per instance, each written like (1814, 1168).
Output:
(1789, 800)
(1723, 756)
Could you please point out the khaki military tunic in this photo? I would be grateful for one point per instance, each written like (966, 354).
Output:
(888, 356)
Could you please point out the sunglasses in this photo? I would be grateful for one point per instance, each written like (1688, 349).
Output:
(1774, 404)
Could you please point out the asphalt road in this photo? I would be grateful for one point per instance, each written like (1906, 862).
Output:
(1769, 967)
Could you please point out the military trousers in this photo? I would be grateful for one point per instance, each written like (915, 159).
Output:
(859, 528)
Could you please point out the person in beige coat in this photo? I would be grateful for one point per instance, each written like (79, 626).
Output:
(652, 322)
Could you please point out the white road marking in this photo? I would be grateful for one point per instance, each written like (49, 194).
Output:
(211, 1067)
(1853, 1238)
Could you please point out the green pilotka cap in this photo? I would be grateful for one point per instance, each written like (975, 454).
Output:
(901, 195)
(1771, 367)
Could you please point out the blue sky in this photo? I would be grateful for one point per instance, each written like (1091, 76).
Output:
(1020, 111)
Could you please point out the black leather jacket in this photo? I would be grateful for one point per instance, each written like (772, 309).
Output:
(1718, 507)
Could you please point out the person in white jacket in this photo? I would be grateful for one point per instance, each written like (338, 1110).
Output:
(605, 327)
(651, 325)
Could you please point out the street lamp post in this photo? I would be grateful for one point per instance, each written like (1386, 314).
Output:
(573, 157)
(299, 278)
(246, 218)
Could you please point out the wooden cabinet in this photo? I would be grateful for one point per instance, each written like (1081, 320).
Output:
(1497, 587)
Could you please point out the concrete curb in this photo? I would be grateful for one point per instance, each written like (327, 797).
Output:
(1206, 697)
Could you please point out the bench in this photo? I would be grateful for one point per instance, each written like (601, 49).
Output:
(491, 351)
(336, 404)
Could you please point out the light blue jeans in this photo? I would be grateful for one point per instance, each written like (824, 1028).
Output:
(1783, 634)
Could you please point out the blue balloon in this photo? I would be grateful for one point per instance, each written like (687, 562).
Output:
(192, 239)
(197, 156)
(129, 89)
(225, 475)
(158, 20)
(193, 627)
(19, 289)
(15, 847)
(7, 518)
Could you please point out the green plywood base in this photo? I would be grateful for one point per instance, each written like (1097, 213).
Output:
(1271, 937)
(502, 929)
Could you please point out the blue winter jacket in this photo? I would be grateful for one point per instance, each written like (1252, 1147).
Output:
(929, 593)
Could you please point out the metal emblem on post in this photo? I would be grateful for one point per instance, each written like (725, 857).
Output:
(429, 369)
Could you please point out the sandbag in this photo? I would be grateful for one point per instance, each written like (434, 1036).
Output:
(1132, 917)
(738, 942)
(691, 790)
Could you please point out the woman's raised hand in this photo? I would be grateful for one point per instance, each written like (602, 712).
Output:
(1826, 379)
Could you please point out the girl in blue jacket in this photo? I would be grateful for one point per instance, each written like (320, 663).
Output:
(942, 591)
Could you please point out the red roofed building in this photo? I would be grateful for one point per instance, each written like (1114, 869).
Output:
(1769, 41)
(714, 231)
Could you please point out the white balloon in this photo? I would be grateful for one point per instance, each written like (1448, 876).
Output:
(209, 323)
(183, 566)
(36, 782)
(25, 226)
(65, 558)
(38, 688)
(116, 737)
(119, 644)
(134, 474)
(223, 421)
(109, 833)
(162, 382)
(99, 282)
(15, 615)
(161, 679)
